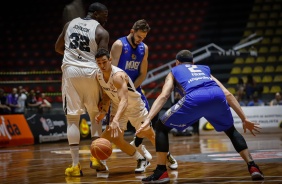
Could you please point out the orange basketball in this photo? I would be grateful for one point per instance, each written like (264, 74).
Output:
(101, 148)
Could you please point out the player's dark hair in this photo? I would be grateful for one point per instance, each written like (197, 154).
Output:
(102, 52)
(184, 56)
(141, 25)
(97, 7)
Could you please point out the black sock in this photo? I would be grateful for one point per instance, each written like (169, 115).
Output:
(138, 141)
(161, 167)
(251, 163)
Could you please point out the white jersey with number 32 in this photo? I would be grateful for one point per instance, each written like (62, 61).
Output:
(80, 43)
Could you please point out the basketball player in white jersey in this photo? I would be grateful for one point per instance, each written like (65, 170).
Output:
(126, 104)
(78, 43)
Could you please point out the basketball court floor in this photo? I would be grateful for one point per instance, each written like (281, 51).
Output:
(201, 159)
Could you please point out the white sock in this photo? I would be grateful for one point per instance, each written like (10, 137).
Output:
(137, 155)
(74, 154)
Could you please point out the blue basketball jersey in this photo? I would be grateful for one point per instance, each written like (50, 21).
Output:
(189, 77)
(130, 61)
(202, 97)
(131, 58)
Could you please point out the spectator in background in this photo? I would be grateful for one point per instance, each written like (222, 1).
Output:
(277, 100)
(32, 102)
(44, 103)
(241, 89)
(240, 100)
(255, 101)
(252, 87)
(21, 100)
(4, 108)
(12, 100)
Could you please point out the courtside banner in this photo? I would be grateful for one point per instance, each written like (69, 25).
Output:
(47, 127)
(14, 131)
(269, 118)
(53, 127)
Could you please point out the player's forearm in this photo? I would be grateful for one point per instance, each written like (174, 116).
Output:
(157, 106)
(104, 103)
(139, 81)
(232, 101)
(121, 108)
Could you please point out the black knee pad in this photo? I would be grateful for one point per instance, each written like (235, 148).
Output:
(237, 139)
(161, 127)
(162, 142)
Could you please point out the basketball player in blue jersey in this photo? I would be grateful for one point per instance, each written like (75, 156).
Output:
(203, 96)
(130, 53)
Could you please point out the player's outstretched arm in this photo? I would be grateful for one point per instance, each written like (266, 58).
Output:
(159, 102)
(232, 101)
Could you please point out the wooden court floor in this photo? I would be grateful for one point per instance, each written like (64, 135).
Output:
(201, 159)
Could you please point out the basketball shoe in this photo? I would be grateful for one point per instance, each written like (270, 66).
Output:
(142, 149)
(158, 177)
(74, 171)
(142, 164)
(255, 172)
(172, 163)
(99, 165)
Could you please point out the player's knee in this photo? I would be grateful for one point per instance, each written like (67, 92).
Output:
(161, 127)
(237, 139)
(73, 119)
(73, 132)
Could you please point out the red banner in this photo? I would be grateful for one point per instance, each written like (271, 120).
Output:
(14, 131)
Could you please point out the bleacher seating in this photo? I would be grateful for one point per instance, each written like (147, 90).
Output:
(265, 20)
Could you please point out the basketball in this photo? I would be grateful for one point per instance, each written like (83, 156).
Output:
(101, 148)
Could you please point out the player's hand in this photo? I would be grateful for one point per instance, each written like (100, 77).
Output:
(114, 128)
(99, 117)
(146, 123)
(251, 126)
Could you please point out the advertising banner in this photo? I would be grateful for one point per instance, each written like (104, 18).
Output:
(268, 117)
(14, 131)
(47, 127)
(53, 127)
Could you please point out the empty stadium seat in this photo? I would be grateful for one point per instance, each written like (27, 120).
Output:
(275, 89)
(274, 49)
(269, 69)
(236, 70)
(233, 80)
(247, 70)
(263, 49)
(260, 59)
(257, 78)
(277, 78)
(266, 79)
(265, 89)
(231, 90)
(271, 58)
(278, 68)
(239, 60)
(250, 60)
(258, 69)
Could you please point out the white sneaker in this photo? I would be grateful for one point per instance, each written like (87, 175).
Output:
(99, 165)
(172, 163)
(104, 169)
(142, 149)
(142, 164)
